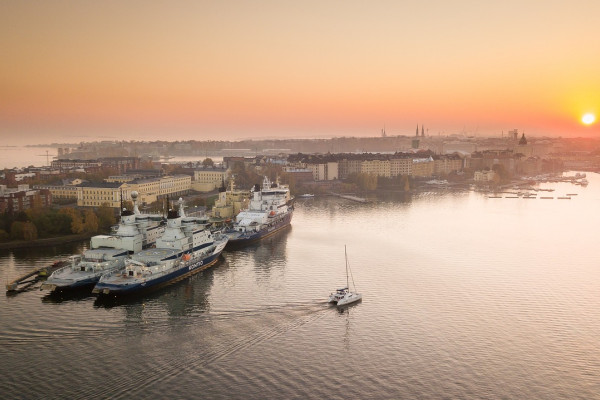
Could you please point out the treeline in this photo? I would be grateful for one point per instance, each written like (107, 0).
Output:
(38, 222)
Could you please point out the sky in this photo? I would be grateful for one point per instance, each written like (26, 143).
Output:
(87, 70)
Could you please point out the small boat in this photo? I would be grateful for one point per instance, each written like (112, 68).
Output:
(344, 296)
(306, 196)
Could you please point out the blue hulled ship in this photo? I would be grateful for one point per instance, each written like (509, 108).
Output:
(108, 253)
(186, 247)
(269, 211)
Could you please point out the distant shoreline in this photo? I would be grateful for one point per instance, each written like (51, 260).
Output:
(23, 244)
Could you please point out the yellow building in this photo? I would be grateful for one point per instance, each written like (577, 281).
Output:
(376, 167)
(97, 194)
(229, 203)
(208, 179)
(150, 190)
(423, 167)
(60, 191)
(401, 166)
(447, 164)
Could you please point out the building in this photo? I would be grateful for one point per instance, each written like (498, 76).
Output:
(484, 176)
(423, 167)
(299, 174)
(121, 164)
(96, 194)
(447, 164)
(60, 191)
(401, 166)
(134, 174)
(326, 171)
(22, 198)
(376, 167)
(229, 203)
(149, 190)
(349, 166)
(209, 179)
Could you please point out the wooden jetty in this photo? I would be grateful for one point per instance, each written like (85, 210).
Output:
(26, 280)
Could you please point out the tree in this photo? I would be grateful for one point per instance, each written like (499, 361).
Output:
(366, 181)
(20, 230)
(29, 231)
(76, 220)
(208, 162)
(106, 217)
(90, 224)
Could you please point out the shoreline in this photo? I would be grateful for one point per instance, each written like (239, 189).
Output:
(23, 244)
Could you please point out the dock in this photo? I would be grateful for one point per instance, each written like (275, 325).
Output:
(28, 279)
(349, 197)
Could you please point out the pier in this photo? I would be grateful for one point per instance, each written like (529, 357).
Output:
(350, 197)
(28, 279)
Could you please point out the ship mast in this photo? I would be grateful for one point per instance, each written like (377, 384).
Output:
(347, 281)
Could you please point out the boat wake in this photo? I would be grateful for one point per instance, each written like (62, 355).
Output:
(243, 330)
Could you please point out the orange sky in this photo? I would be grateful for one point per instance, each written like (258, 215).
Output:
(204, 70)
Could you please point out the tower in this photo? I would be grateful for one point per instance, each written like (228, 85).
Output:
(422, 131)
(523, 141)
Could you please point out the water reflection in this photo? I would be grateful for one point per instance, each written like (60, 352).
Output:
(57, 297)
(179, 299)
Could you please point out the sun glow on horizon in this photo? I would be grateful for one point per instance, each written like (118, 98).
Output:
(588, 118)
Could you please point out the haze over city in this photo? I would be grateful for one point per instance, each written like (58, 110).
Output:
(83, 71)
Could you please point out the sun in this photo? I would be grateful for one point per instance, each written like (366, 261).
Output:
(588, 118)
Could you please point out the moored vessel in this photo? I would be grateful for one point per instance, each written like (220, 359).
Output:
(270, 210)
(186, 247)
(108, 253)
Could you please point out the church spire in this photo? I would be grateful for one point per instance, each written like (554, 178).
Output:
(523, 141)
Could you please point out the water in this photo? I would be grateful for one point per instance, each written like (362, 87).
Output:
(21, 156)
(464, 297)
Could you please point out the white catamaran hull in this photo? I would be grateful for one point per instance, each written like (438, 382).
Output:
(349, 298)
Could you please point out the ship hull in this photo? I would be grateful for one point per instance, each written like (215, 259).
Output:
(126, 286)
(59, 285)
(246, 239)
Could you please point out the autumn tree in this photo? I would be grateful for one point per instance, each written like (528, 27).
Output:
(76, 220)
(106, 217)
(90, 224)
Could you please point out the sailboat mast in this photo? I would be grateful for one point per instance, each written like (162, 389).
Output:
(346, 255)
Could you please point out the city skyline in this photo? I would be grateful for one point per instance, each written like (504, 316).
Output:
(234, 70)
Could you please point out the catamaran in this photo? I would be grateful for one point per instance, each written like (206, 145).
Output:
(344, 296)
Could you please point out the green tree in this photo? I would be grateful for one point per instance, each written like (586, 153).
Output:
(208, 162)
(4, 236)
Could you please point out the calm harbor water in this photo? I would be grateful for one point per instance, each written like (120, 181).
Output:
(464, 297)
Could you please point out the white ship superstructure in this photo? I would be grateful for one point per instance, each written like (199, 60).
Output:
(108, 253)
